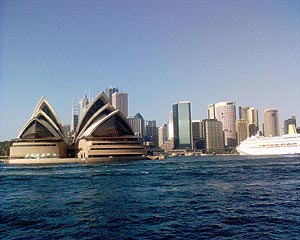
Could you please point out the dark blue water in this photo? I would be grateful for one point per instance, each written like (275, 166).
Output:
(179, 198)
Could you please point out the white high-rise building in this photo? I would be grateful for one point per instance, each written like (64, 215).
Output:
(120, 102)
(226, 113)
(170, 127)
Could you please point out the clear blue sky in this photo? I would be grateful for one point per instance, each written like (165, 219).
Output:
(160, 52)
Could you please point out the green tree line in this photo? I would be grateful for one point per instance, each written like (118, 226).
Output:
(4, 148)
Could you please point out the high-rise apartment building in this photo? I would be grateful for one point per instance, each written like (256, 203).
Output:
(271, 123)
(290, 121)
(137, 124)
(213, 134)
(182, 125)
(225, 112)
(110, 91)
(211, 111)
(243, 112)
(120, 102)
(241, 130)
(252, 117)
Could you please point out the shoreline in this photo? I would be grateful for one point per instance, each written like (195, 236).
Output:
(69, 160)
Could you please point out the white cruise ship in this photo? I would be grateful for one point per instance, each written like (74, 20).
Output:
(283, 145)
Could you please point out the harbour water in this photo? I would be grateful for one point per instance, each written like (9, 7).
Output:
(229, 197)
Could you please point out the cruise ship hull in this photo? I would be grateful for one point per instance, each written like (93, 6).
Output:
(285, 145)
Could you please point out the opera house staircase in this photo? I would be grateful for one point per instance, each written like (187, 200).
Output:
(103, 133)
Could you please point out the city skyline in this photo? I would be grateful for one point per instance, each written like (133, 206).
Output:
(157, 52)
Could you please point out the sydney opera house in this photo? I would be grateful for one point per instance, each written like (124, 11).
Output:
(103, 133)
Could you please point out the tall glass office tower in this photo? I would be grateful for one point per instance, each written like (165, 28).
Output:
(182, 125)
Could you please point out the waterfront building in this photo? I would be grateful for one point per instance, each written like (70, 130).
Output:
(253, 125)
(42, 136)
(241, 130)
(271, 123)
(213, 134)
(288, 122)
(197, 132)
(211, 111)
(120, 102)
(82, 104)
(162, 135)
(243, 112)
(182, 125)
(110, 91)
(137, 124)
(226, 113)
(104, 133)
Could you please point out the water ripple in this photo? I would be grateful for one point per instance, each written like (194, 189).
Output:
(227, 197)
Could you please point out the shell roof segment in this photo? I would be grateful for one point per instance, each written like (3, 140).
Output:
(101, 119)
(97, 103)
(43, 123)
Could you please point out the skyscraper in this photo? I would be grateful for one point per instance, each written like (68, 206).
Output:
(182, 125)
(226, 113)
(241, 130)
(213, 134)
(170, 127)
(82, 104)
(120, 102)
(243, 112)
(110, 91)
(74, 117)
(162, 135)
(151, 132)
(252, 117)
(137, 124)
(197, 130)
(271, 123)
(211, 111)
